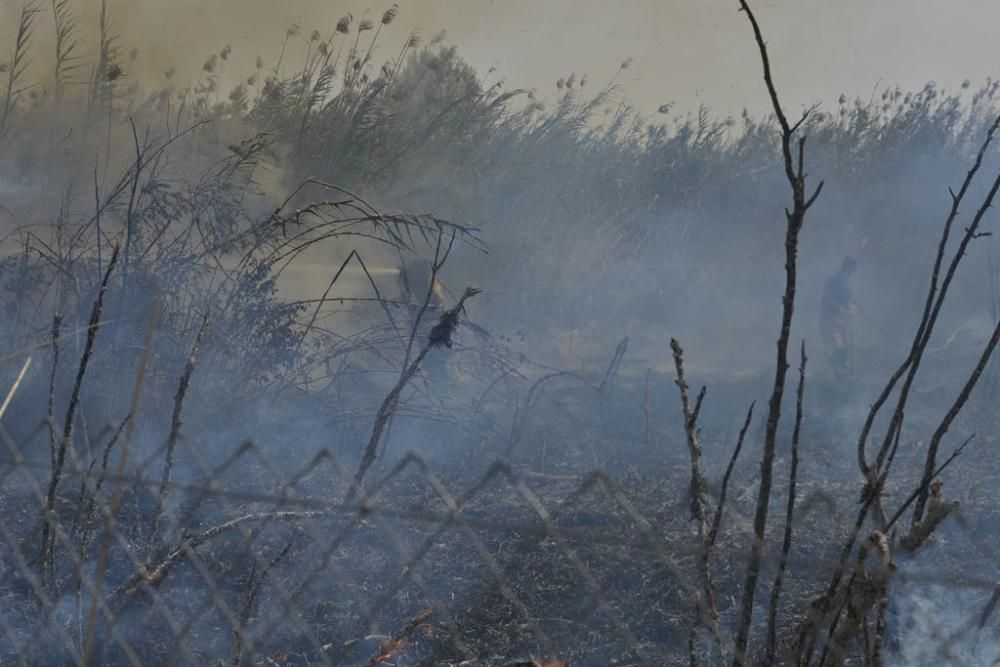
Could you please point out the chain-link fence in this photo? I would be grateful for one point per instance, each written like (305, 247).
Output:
(254, 557)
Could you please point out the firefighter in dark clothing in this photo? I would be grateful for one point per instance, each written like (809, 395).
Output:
(835, 317)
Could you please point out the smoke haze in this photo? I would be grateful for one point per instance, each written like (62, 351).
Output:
(687, 52)
(296, 242)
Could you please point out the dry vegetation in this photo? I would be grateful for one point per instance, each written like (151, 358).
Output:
(145, 336)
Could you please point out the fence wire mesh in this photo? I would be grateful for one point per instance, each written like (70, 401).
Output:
(258, 558)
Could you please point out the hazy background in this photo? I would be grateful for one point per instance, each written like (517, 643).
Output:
(687, 52)
(640, 224)
(607, 231)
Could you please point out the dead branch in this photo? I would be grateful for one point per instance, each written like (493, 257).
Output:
(519, 421)
(707, 612)
(870, 587)
(929, 317)
(786, 545)
(254, 584)
(970, 233)
(439, 259)
(116, 493)
(67, 435)
(154, 575)
(878, 474)
(56, 326)
(176, 423)
(795, 218)
(89, 509)
(913, 496)
(937, 512)
(835, 597)
(942, 429)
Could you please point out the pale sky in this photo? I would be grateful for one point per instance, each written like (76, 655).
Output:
(688, 52)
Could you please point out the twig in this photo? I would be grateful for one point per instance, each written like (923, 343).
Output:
(707, 613)
(56, 326)
(942, 429)
(91, 500)
(152, 577)
(608, 381)
(795, 218)
(176, 423)
(876, 475)
(254, 584)
(132, 203)
(67, 435)
(928, 318)
(116, 495)
(786, 545)
(923, 485)
(724, 490)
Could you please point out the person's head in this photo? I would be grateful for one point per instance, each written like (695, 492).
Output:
(849, 265)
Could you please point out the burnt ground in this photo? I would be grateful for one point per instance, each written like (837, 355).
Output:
(543, 558)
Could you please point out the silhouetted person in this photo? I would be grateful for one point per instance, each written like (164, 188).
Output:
(835, 317)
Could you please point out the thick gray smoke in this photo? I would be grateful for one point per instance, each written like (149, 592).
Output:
(260, 342)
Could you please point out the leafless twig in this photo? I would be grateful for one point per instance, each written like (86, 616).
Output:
(707, 612)
(795, 218)
(786, 545)
(67, 434)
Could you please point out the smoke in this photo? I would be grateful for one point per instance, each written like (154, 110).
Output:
(823, 51)
(601, 225)
(939, 624)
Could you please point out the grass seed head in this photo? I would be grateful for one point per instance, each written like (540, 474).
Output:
(390, 14)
